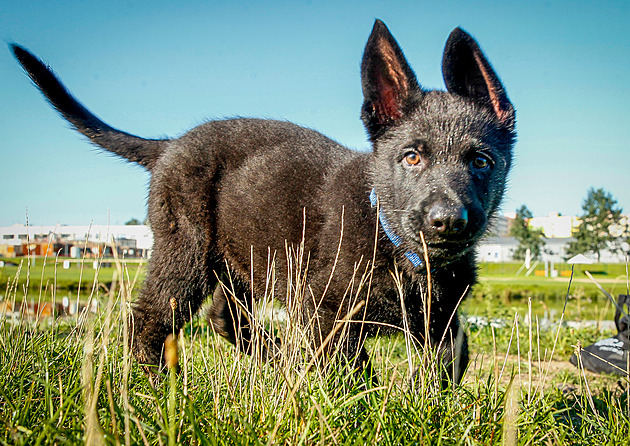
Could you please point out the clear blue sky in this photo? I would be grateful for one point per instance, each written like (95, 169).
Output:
(155, 68)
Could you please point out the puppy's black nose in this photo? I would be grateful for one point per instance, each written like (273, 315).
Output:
(448, 221)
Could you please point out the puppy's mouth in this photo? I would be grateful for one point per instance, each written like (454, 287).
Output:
(443, 240)
(440, 251)
(462, 244)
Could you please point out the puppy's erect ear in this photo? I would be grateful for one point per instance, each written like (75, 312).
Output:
(389, 84)
(468, 73)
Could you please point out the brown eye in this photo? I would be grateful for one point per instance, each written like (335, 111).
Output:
(480, 162)
(412, 158)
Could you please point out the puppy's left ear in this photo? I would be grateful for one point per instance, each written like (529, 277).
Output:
(468, 73)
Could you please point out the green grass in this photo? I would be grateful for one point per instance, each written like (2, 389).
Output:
(72, 381)
(507, 281)
(510, 269)
(47, 274)
(496, 279)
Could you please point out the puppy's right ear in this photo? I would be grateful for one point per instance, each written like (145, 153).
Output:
(389, 84)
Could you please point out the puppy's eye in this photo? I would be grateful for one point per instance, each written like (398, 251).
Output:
(481, 162)
(412, 158)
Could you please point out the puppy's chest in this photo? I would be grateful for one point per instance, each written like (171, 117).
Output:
(393, 297)
(389, 297)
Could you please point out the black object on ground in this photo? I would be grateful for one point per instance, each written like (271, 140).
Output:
(610, 355)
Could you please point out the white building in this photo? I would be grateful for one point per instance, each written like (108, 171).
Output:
(137, 237)
(501, 249)
(497, 249)
(555, 225)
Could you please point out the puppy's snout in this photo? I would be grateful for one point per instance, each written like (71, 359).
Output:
(447, 221)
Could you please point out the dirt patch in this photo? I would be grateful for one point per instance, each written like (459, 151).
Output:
(543, 375)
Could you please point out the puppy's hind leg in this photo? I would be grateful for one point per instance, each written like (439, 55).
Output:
(338, 345)
(174, 289)
(232, 316)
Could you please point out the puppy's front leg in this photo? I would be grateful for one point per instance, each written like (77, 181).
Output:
(338, 344)
(449, 344)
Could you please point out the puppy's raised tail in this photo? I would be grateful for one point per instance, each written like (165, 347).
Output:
(139, 150)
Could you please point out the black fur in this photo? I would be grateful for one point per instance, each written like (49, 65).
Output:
(229, 195)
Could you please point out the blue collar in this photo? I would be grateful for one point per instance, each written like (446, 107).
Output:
(414, 258)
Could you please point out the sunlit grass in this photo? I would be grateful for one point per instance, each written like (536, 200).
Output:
(72, 381)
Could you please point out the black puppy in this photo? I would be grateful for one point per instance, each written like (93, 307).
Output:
(230, 195)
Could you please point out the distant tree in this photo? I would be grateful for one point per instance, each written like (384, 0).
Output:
(528, 238)
(600, 215)
(133, 221)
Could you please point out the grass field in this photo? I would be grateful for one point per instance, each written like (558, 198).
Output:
(47, 273)
(72, 380)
